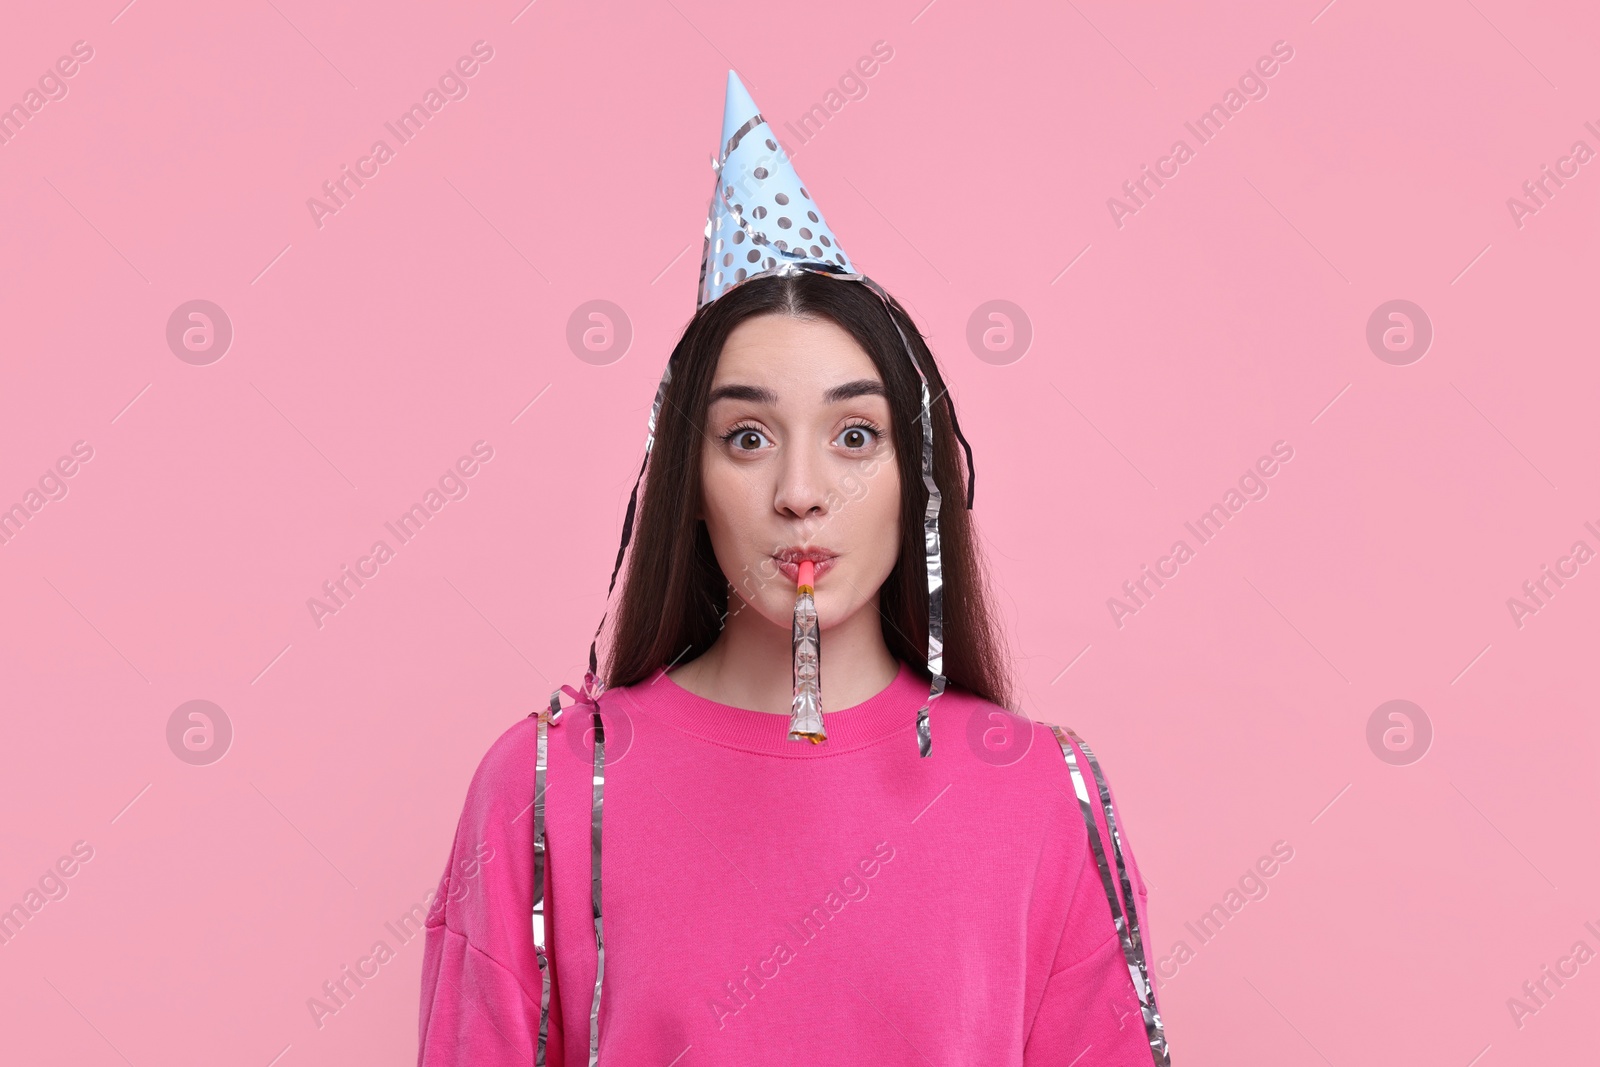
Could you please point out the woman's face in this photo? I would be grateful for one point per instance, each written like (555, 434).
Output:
(798, 460)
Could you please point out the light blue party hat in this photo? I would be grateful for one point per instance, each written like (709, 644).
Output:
(761, 219)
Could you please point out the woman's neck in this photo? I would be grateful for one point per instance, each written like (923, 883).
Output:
(751, 665)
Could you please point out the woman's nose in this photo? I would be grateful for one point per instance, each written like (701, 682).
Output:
(802, 489)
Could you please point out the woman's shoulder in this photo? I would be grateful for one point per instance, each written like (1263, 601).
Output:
(1004, 736)
(502, 783)
(982, 717)
(506, 771)
(1055, 757)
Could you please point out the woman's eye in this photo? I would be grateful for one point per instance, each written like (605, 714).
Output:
(857, 437)
(746, 439)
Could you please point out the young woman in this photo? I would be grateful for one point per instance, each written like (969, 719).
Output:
(715, 874)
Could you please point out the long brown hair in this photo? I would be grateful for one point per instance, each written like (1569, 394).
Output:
(675, 597)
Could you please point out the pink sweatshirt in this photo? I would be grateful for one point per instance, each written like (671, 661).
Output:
(768, 901)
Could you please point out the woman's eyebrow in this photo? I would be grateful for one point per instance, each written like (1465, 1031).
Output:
(850, 390)
(758, 394)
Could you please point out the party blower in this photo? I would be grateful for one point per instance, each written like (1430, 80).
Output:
(805, 715)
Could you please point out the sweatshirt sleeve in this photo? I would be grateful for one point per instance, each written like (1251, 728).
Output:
(1089, 1014)
(480, 975)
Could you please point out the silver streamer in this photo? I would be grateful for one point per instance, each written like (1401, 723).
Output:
(594, 884)
(592, 688)
(539, 782)
(1126, 922)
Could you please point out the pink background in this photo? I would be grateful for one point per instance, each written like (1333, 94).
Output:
(1227, 314)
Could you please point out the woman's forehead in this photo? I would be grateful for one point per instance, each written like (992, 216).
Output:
(773, 349)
